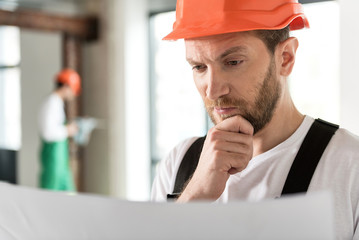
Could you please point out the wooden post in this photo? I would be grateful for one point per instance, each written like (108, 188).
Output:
(72, 58)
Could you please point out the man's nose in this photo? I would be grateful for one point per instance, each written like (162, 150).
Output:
(217, 85)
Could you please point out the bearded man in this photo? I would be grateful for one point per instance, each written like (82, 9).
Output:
(261, 146)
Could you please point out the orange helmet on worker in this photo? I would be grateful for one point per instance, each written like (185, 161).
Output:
(199, 18)
(71, 78)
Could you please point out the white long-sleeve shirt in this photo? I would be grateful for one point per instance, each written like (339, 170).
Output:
(52, 119)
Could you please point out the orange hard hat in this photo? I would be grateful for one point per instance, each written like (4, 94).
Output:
(70, 77)
(199, 18)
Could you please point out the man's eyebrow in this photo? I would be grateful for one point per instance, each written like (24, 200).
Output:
(241, 49)
(233, 50)
(192, 62)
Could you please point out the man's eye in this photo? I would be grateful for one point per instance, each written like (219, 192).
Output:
(233, 63)
(199, 67)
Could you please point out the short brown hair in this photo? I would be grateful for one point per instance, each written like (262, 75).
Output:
(272, 38)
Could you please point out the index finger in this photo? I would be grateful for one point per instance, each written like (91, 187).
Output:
(236, 124)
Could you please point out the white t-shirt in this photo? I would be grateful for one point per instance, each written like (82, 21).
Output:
(52, 119)
(265, 175)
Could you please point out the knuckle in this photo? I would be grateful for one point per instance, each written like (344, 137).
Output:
(216, 144)
(216, 154)
(248, 149)
(244, 160)
(245, 164)
(212, 130)
(213, 134)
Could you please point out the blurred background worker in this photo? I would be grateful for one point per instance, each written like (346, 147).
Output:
(54, 154)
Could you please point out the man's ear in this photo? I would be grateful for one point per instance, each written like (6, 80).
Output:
(285, 53)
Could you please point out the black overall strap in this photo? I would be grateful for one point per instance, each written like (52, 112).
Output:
(187, 167)
(308, 156)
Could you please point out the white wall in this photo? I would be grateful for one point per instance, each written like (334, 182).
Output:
(137, 100)
(40, 61)
(116, 74)
(349, 50)
(104, 98)
(161, 5)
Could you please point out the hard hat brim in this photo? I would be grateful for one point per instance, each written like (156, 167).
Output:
(240, 22)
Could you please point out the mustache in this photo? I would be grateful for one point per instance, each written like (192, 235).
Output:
(223, 102)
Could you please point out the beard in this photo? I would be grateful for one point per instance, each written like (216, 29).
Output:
(258, 113)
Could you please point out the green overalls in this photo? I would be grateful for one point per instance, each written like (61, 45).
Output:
(56, 173)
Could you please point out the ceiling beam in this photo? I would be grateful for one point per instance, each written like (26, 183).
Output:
(83, 27)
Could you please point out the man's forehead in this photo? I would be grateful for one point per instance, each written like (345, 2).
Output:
(218, 45)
